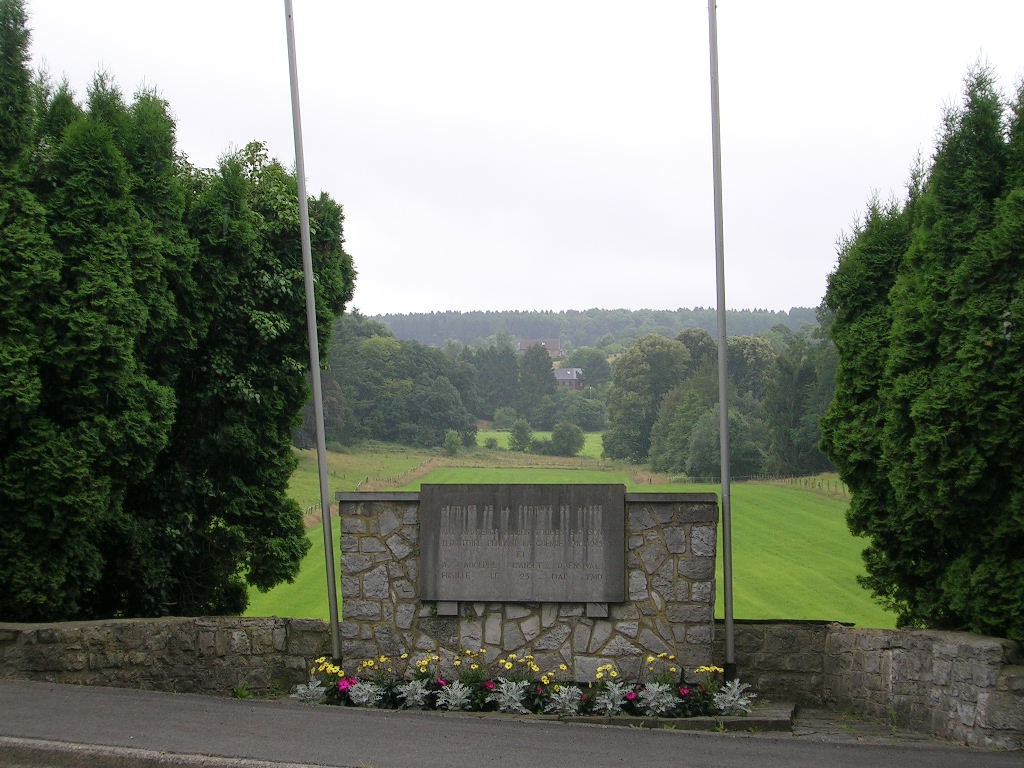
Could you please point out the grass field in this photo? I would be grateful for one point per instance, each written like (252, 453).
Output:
(793, 557)
(592, 446)
(347, 470)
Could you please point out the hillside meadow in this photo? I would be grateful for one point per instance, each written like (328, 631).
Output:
(793, 556)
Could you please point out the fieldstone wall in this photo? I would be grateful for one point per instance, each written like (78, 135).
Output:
(962, 687)
(200, 655)
(670, 572)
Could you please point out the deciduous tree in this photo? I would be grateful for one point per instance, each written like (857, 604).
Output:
(640, 379)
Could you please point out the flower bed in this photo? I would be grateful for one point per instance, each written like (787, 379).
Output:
(516, 684)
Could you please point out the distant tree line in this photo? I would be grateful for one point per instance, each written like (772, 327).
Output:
(382, 388)
(152, 355)
(927, 308)
(609, 329)
(658, 399)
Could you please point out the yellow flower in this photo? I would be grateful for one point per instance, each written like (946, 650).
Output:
(544, 679)
(650, 659)
(563, 667)
(672, 657)
(474, 666)
(599, 675)
(557, 688)
(457, 663)
(672, 669)
(662, 655)
(404, 656)
(508, 665)
(321, 660)
(613, 673)
(534, 668)
(709, 670)
(384, 659)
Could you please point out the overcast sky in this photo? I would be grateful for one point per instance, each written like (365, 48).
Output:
(556, 154)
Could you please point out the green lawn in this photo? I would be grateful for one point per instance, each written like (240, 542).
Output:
(306, 597)
(793, 557)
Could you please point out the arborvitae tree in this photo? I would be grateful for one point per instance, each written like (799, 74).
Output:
(925, 422)
(36, 560)
(15, 80)
(858, 301)
(101, 418)
(146, 394)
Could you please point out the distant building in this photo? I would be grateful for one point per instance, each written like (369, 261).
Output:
(569, 378)
(553, 346)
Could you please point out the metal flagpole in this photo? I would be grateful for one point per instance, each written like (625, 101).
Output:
(314, 346)
(723, 381)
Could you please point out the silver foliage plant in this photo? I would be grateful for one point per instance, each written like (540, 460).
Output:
(312, 692)
(734, 698)
(611, 700)
(566, 701)
(508, 695)
(455, 696)
(413, 694)
(364, 694)
(657, 699)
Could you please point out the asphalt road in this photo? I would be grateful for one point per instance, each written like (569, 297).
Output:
(51, 725)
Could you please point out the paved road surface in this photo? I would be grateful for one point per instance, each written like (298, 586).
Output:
(44, 724)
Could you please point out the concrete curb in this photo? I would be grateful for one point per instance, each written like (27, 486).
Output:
(767, 716)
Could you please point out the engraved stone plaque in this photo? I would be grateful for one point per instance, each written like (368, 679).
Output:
(522, 543)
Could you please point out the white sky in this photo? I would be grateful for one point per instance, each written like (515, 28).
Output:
(556, 154)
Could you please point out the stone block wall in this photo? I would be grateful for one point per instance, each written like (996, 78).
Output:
(670, 572)
(962, 687)
(966, 688)
(200, 655)
(782, 659)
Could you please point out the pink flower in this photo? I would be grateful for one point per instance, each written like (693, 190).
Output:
(684, 691)
(631, 695)
(441, 682)
(343, 684)
(489, 685)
